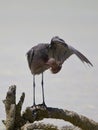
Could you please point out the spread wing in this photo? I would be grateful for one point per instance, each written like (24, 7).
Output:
(61, 51)
(80, 55)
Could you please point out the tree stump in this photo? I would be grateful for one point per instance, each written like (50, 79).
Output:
(26, 121)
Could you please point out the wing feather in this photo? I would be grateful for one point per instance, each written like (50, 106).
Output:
(80, 55)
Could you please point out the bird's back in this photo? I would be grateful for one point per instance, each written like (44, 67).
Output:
(37, 57)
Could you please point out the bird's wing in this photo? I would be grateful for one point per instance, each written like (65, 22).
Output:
(59, 49)
(79, 55)
(30, 55)
(63, 51)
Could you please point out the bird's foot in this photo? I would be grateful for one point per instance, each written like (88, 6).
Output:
(43, 105)
(35, 109)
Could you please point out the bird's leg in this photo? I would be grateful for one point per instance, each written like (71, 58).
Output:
(43, 91)
(34, 90)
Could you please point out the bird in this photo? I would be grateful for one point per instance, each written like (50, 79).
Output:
(51, 56)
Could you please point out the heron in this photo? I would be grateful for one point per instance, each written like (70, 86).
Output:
(50, 56)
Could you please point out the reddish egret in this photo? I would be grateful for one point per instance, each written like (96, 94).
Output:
(50, 56)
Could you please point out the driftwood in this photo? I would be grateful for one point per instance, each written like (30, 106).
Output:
(26, 121)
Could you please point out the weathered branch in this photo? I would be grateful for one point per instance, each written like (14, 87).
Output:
(45, 126)
(39, 112)
(16, 121)
(13, 110)
(38, 126)
(10, 108)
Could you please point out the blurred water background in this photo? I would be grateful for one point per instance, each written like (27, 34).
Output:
(26, 23)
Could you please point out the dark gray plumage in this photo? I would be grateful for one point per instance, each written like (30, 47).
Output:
(50, 56)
